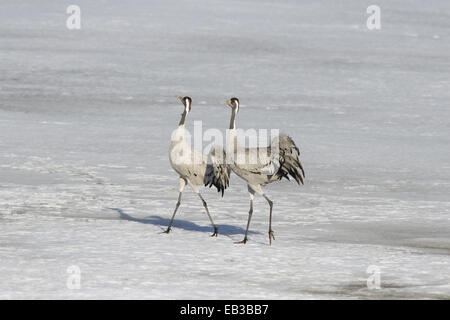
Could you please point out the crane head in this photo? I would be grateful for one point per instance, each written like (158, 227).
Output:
(233, 102)
(187, 101)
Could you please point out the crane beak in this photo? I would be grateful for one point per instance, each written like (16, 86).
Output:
(228, 103)
(180, 98)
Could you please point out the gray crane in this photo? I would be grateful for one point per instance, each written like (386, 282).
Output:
(261, 166)
(194, 167)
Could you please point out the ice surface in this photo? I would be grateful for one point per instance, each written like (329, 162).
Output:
(85, 122)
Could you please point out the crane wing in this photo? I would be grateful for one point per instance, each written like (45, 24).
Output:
(217, 171)
(289, 159)
(282, 160)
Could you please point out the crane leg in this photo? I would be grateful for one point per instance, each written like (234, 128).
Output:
(216, 231)
(181, 188)
(251, 193)
(271, 235)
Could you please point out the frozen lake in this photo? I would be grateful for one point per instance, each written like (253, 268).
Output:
(85, 123)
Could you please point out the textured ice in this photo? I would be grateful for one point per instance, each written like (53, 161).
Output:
(85, 122)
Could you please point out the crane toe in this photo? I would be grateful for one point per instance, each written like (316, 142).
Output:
(216, 232)
(242, 242)
(167, 231)
(271, 236)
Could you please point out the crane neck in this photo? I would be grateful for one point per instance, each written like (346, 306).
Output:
(233, 119)
(183, 118)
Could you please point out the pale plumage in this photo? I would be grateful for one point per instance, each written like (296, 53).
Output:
(194, 167)
(274, 165)
(261, 166)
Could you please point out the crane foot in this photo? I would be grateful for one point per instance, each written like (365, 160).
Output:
(271, 236)
(216, 232)
(167, 231)
(242, 242)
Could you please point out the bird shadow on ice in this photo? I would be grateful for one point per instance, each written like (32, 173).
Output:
(224, 229)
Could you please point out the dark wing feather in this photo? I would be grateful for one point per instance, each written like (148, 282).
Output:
(217, 171)
(289, 160)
